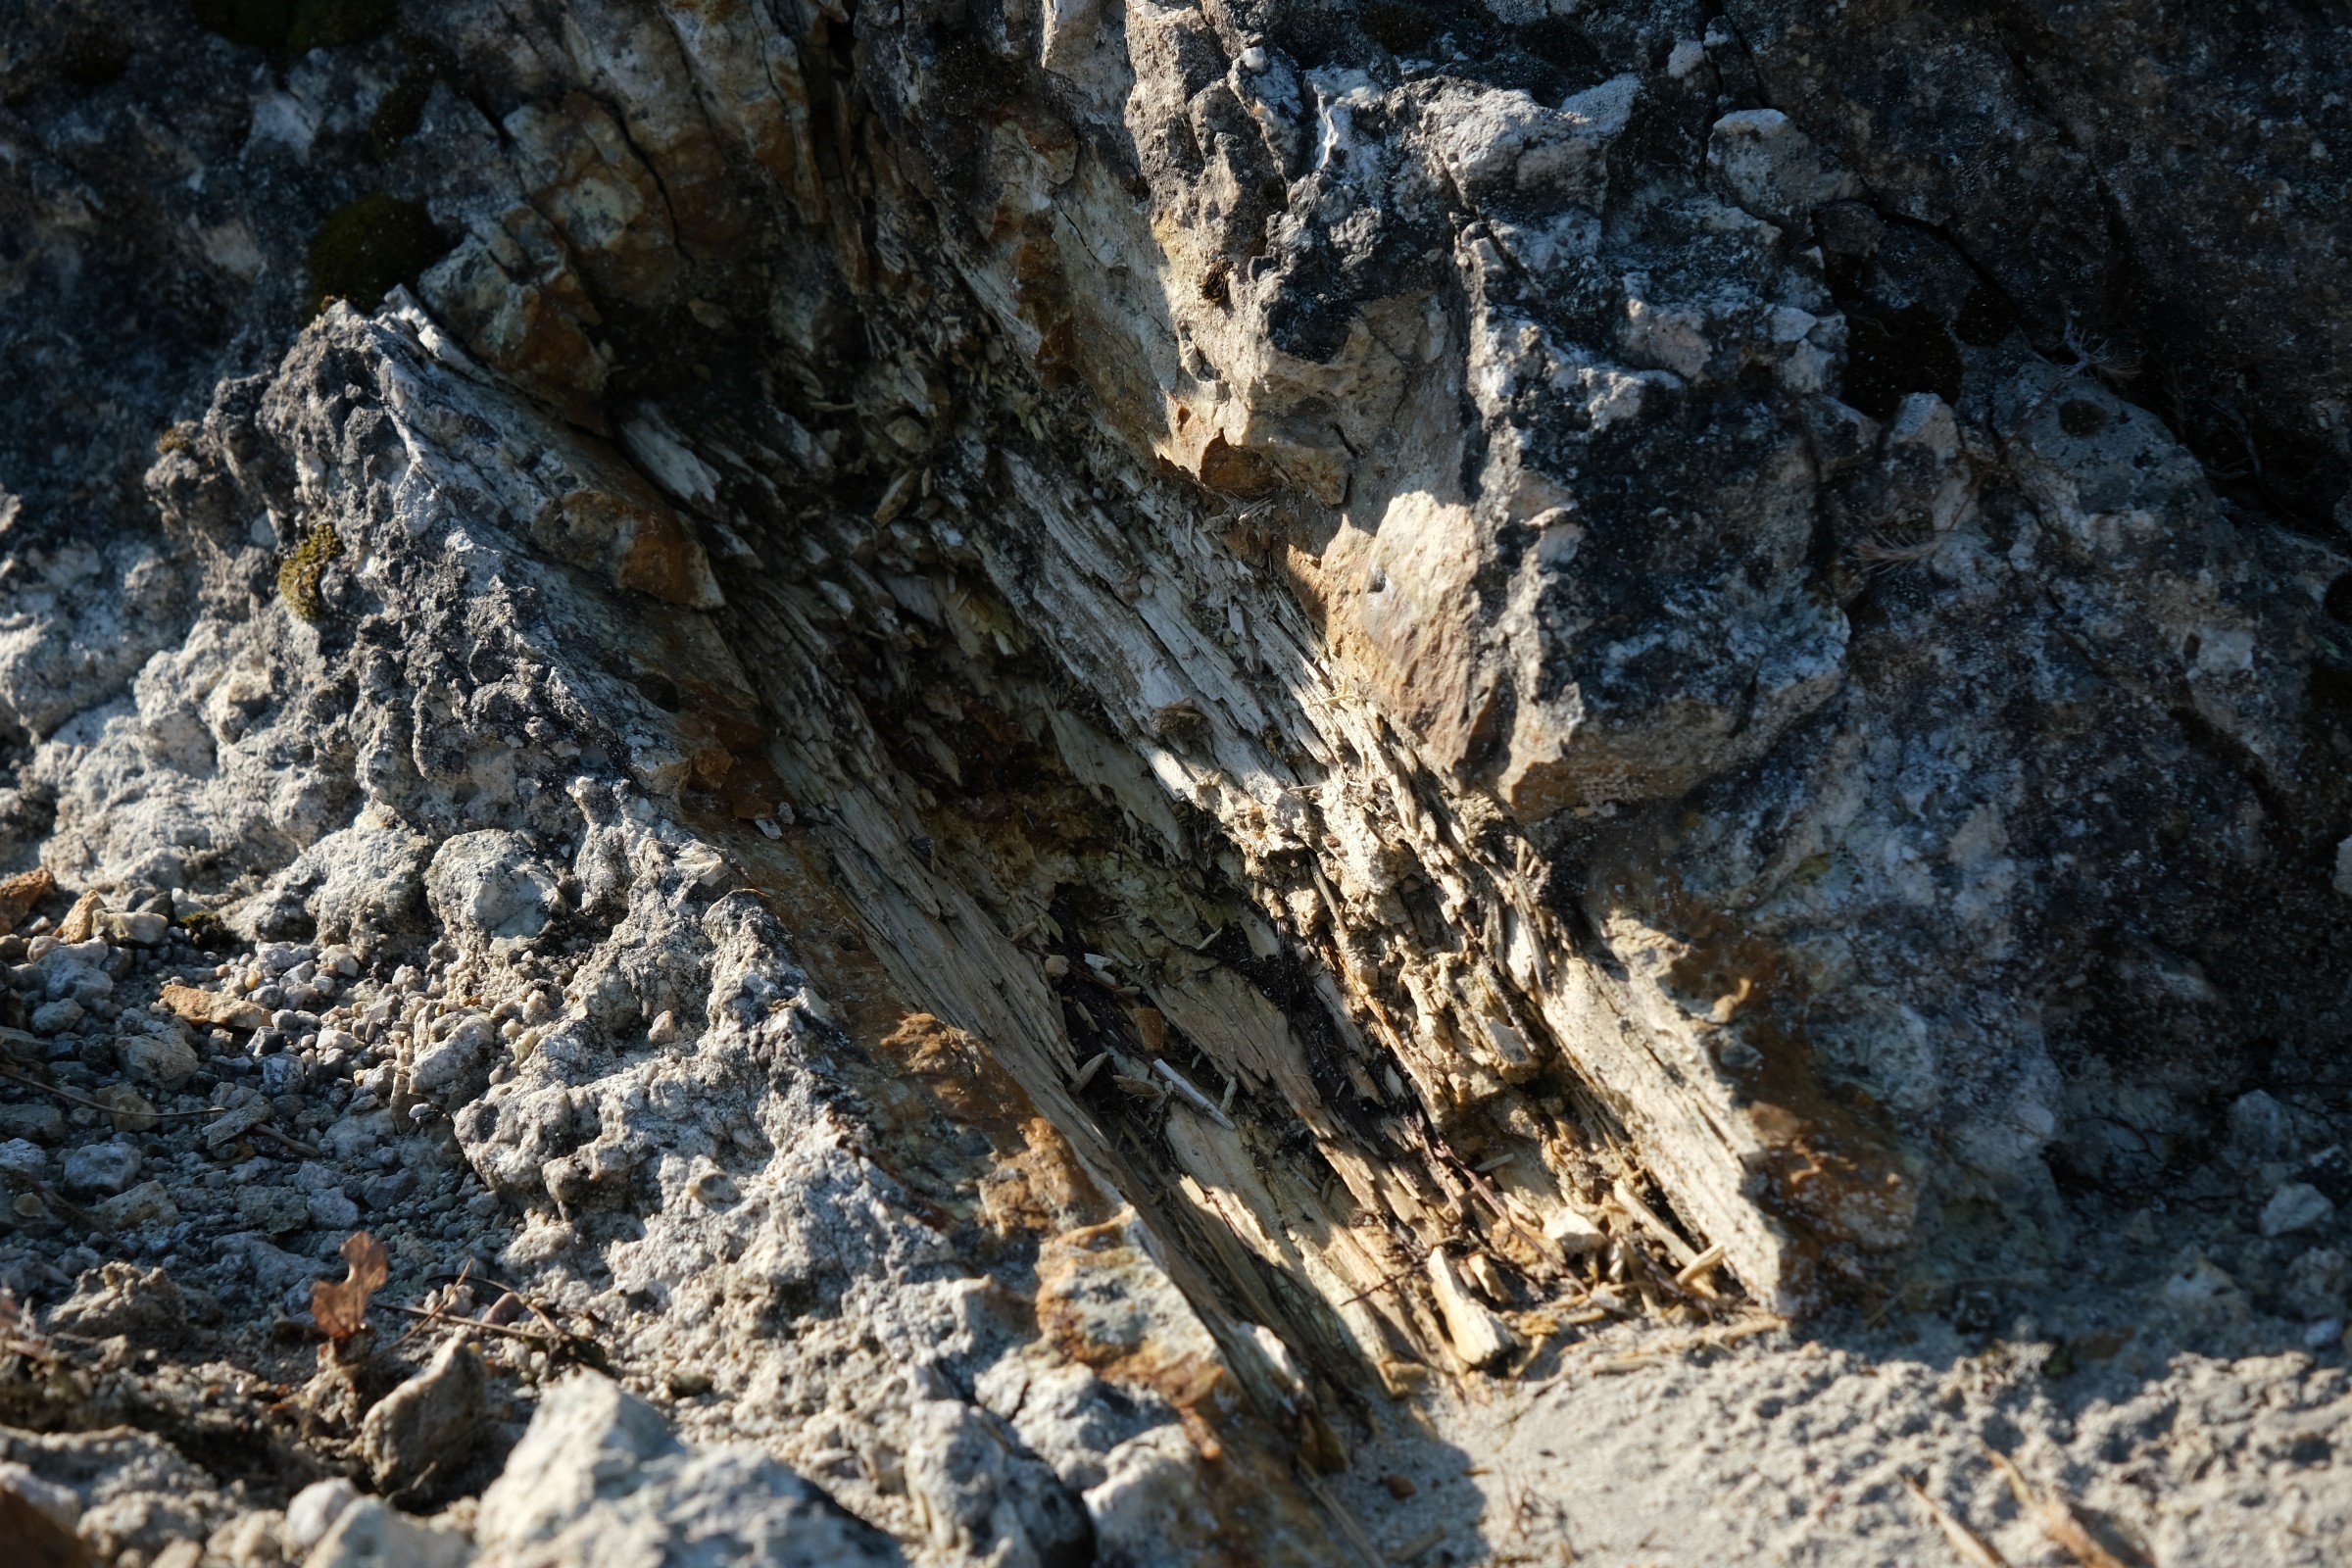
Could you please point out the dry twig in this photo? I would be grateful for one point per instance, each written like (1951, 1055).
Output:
(72, 1099)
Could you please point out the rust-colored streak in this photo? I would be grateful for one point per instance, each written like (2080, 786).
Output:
(1834, 1172)
(1034, 1182)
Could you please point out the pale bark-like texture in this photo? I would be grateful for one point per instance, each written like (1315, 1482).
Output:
(1092, 763)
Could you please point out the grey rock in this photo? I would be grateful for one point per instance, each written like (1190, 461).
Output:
(277, 1274)
(426, 1426)
(1743, 648)
(118, 1298)
(133, 1491)
(102, 1169)
(382, 1192)
(452, 1059)
(2260, 1128)
(37, 1123)
(164, 1060)
(149, 1202)
(492, 884)
(982, 1497)
(273, 1211)
(332, 1211)
(2317, 1283)
(2295, 1208)
(19, 1157)
(56, 1018)
(598, 1481)
(283, 1074)
(371, 1534)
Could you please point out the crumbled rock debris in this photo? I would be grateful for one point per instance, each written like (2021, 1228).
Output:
(1191, 784)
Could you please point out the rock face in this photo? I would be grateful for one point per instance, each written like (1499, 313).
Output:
(1049, 739)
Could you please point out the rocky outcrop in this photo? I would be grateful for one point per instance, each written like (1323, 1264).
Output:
(1061, 736)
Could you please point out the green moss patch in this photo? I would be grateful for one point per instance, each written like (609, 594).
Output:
(366, 247)
(299, 574)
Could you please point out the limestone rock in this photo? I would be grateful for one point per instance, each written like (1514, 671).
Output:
(427, 1424)
(491, 884)
(598, 1479)
(371, 1534)
(2296, 1206)
(118, 1298)
(314, 1512)
(164, 1060)
(101, 1169)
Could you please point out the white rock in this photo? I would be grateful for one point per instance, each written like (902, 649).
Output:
(2295, 1208)
(1150, 1481)
(369, 1535)
(445, 1062)
(1769, 166)
(599, 1466)
(315, 1510)
(491, 885)
(585, 1430)
(138, 930)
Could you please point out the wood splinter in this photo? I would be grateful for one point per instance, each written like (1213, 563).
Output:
(1193, 1097)
(1694, 1274)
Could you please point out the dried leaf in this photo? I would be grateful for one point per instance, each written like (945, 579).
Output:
(342, 1308)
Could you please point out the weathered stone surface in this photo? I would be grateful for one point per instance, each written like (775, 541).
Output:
(371, 1534)
(117, 1298)
(429, 1422)
(101, 1169)
(599, 1480)
(1018, 709)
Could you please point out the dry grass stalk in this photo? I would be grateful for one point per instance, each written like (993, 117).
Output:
(1344, 1520)
(1683, 1252)
(2059, 1519)
(1973, 1548)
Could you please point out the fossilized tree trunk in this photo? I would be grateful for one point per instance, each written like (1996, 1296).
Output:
(1538, 608)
